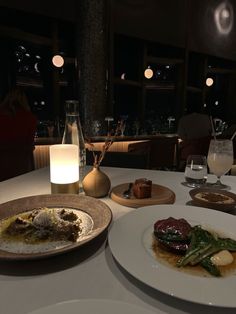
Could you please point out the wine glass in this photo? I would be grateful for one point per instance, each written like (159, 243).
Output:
(122, 127)
(108, 119)
(220, 160)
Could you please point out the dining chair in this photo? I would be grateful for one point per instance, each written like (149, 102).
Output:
(164, 153)
(199, 146)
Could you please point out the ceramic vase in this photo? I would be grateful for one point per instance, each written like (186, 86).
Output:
(96, 183)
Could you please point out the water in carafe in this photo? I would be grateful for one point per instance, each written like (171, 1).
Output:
(73, 134)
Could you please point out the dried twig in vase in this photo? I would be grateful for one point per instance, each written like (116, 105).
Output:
(99, 156)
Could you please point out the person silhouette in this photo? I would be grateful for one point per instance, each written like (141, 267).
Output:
(17, 130)
(194, 131)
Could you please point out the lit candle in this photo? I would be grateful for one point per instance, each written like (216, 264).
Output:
(64, 168)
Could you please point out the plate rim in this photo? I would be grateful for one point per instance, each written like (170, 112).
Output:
(97, 302)
(65, 200)
(156, 277)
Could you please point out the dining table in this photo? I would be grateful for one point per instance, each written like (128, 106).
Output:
(91, 271)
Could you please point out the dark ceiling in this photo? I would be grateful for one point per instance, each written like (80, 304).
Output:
(51, 8)
(164, 21)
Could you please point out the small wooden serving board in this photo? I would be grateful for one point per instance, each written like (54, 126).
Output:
(160, 195)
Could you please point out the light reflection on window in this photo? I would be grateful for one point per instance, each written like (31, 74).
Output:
(224, 17)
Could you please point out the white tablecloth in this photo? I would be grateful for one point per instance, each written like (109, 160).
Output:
(91, 271)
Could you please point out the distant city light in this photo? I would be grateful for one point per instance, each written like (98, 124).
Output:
(58, 61)
(209, 81)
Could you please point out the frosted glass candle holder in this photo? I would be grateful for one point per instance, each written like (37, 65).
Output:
(64, 168)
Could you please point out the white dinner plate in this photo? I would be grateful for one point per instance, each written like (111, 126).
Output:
(93, 306)
(130, 240)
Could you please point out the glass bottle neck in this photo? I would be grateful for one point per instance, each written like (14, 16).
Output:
(72, 117)
(73, 132)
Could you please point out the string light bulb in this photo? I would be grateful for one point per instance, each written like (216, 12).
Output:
(148, 73)
(58, 61)
(209, 81)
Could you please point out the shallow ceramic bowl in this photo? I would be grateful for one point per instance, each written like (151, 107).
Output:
(98, 211)
(211, 203)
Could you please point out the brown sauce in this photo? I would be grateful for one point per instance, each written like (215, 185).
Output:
(170, 259)
(215, 197)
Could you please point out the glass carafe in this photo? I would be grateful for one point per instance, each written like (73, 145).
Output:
(73, 134)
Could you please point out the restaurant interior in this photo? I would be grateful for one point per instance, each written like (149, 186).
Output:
(145, 77)
(102, 213)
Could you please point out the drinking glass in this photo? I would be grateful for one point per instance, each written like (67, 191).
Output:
(195, 171)
(122, 127)
(220, 160)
